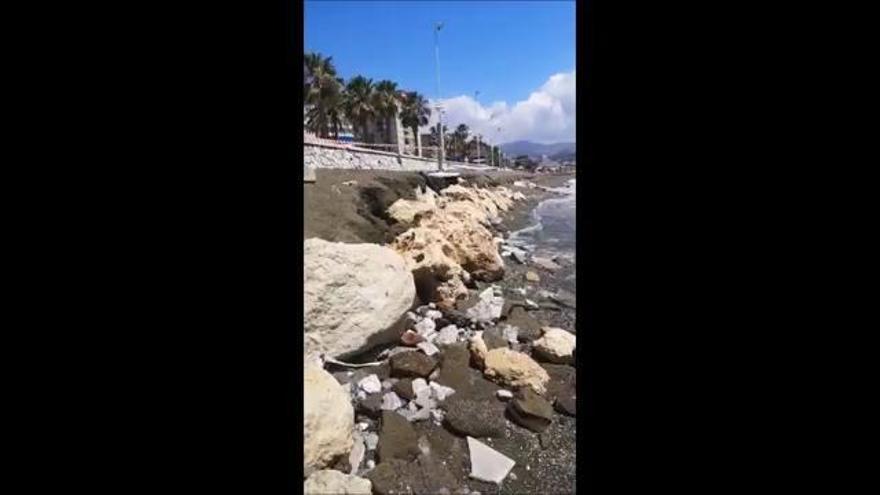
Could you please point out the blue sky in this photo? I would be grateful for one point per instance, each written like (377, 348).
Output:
(508, 51)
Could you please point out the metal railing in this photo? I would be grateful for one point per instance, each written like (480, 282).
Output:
(408, 150)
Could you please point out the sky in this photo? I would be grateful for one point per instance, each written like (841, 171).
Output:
(519, 55)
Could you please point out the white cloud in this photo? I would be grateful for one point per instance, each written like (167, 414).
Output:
(547, 116)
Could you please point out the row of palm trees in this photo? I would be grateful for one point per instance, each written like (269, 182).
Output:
(330, 102)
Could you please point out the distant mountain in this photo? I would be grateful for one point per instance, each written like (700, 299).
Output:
(535, 150)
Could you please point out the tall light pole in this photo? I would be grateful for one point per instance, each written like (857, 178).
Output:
(437, 27)
(477, 137)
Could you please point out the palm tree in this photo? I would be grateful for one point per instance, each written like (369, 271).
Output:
(387, 99)
(435, 137)
(459, 137)
(359, 104)
(321, 92)
(415, 112)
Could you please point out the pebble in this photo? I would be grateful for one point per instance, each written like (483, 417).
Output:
(428, 348)
(371, 464)
(370, 384)
(425, 327)
(391, 402)
(371, 439)
(441, 392)
(386, 384)
(448, 335)
(434, 314)
(504, 394)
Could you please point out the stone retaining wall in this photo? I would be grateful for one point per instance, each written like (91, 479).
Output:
(338, 156)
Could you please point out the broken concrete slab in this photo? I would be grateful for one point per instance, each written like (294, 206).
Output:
(488, 464)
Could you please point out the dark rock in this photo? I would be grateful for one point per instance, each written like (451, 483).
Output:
(455, 317)
(392, 477)
(371, 406)
(545, 440)
(454, 366)
(412, 364)
(566, 404)
(565, 298)
(425, 475)
(530, 410)
(529, 328)
(562, 380)
(403, 388)
(474, 418)
(397, 439)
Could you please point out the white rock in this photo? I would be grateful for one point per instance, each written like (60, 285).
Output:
(331, 481)
(428, 348)
(391, 402)
(361, 395)
(556, 345)
(511, 333)
(488, 464)
(370, 384)
(371, 440)
(448, 335)
(441, 392)
(487, 309)
(504, 394)
(363, 426)
(425, 327)
(386, 384)
(328, 419)
(351, 292)
(420, 387)
(434, 314)
(370, 465)
(438, 415)
(432, 305)
(420, 415)
(357, 453)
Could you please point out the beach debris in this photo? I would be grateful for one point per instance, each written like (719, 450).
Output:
(529, 304)
(357, 452)
(488, 464)
(530, 410)
(389, 353)
(412, 364)
(434, 314)
(391, 402)
(370, 384)
(447, 335)
(488, 307)
(328, 419)
(441, 392)
(411, 338)
(511, 333)
(350, 183)
(353, 290)
(555, 345)
(331, 481)
(428, 348)
(425, 327)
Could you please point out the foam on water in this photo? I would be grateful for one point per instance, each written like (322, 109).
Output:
(554, 232)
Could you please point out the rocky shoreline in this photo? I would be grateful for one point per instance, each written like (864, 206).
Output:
(475, 391)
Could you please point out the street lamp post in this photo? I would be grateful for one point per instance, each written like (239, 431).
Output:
(437, 27)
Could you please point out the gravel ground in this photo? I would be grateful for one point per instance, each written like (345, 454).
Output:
(545, 462)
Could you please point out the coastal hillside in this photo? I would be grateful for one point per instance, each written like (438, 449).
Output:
(535, 150)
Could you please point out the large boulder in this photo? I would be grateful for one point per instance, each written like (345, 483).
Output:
(352, 294)
(328, 419)
(328, 481)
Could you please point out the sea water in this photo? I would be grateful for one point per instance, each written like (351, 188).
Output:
(554, 232)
